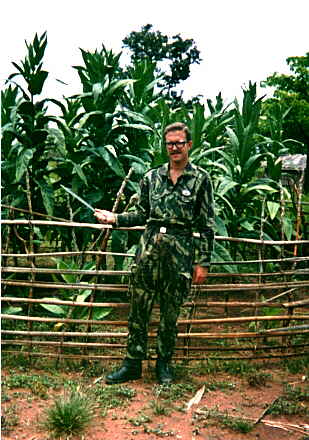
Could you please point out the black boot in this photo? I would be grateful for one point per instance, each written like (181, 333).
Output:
(131, 369)
(164, 372)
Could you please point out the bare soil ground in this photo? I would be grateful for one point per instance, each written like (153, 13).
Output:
(142, 410)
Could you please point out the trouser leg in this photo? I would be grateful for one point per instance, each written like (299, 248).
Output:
(142, 299)
(171, 299)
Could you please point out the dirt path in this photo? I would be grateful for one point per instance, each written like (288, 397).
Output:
(143, 410)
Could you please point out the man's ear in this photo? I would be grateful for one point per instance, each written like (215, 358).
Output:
(189, 145)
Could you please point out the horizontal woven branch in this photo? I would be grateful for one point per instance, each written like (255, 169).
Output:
(245, 335)
(141, 228)
(200, 304)
(18, 269)
(121, 254)
(124, 287)
(113, 345)
(180, 321)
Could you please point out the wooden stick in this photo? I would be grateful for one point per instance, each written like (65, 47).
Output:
(204, 358)
(13, 208)
(114, 345)
(141, 228)
(199, 304)
(57, 334)
(181, 321)
(124, 287)
(19, 269)
(234, 348)
(121, 254)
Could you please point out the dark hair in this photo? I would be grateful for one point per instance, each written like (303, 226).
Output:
(178, 126)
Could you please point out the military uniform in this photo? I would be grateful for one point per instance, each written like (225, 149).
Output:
(165, 256)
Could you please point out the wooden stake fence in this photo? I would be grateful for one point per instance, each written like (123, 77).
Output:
(53, 335)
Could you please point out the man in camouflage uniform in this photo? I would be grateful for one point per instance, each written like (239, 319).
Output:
(174, 201)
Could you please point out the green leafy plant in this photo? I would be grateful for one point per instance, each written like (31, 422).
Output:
(69, 415)
(80, 297)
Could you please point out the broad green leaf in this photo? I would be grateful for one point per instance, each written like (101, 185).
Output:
(83, 296)
(22, 163)
(88, 115)
(54, 308)
(287, 227)
(220, 254)
(233, 138)
(11, 310)
(36, 82)
(47, 196)
(119, 84)
(101, 312)
(220, 227)
(259, 187)
(108, 153)
(247, 225)
(225, 186)
(273, 208)
(137, 127)
(68, 278)
(97, 90)
(78, 169)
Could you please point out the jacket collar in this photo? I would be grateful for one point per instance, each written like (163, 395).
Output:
(189, 170)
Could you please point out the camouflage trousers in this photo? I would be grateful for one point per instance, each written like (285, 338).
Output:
(162, 274)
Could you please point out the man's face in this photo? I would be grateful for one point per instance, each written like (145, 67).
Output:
(177, 146)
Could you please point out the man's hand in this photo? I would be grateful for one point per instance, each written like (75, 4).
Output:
(103, 216)
(200, 274)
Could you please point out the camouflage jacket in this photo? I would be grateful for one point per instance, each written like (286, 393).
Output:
(189, 203)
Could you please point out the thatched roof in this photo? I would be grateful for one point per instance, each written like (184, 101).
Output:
(294, 162)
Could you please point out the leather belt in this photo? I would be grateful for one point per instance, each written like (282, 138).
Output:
(173, 229)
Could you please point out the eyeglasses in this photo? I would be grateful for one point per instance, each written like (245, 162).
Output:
(178, 144)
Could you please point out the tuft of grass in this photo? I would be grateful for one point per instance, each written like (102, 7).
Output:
(236, 368)
(38, 384)
(223, 418)
(239, 368)
(237, 424)
(69, 415)
(160, 408)
(9, 418)
(258, 379)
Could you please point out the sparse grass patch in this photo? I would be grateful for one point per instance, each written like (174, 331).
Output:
(175, 391)
(160, 408)
(258, 379)
(112, 396)
(220, 385)
(211, 416)
(69, 415)
(296, 393)
(9, 418)
(289, 402)
(237, 367)
(38, 384)
(295, 366)
(140, 420)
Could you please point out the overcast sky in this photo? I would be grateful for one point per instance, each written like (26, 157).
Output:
(239, 40)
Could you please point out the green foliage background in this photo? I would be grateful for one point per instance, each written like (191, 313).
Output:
(116, 123)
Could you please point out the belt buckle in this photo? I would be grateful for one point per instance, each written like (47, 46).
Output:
(162, 230)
